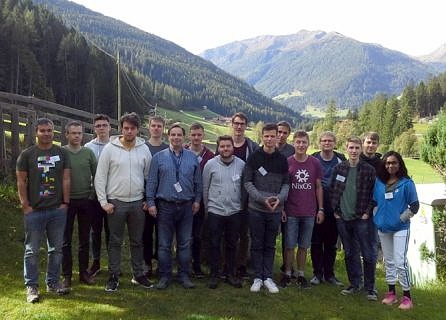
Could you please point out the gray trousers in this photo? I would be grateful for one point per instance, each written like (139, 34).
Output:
(132, 214)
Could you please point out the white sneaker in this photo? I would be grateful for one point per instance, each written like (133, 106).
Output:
(270, 285)
(256, 285)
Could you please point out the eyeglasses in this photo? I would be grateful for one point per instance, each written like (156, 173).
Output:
(326, 140)
(388, 163)
(239, 124)
(101, 125)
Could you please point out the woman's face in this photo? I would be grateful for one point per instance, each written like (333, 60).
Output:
(392, 165)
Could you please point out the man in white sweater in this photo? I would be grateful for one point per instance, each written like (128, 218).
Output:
(119, 183)
(223, 205)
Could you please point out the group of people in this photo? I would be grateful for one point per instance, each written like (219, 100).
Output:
(177, 198)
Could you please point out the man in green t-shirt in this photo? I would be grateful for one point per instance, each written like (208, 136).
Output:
(43, 182)
(83, 168)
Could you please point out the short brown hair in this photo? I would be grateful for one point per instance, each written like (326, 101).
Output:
(101, 116)
(196, 126)
(327, 133)
(354, 139)
(284, 124)
(241, 115)
(371, 135)
(131, 118)
(157, 119)
(72, 123)
(43, 122)
(224, 138)
(301, 134)
(269, 127)
(176, 125)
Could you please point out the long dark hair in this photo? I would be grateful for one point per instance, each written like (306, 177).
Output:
(382, 172)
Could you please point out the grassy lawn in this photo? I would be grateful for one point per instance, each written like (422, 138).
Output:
(91, 302)
(421, 172)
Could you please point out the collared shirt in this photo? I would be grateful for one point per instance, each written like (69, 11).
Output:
(166, 170)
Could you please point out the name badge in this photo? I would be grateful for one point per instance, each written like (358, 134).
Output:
(199, 158)
(388, 195)
(235, 177)
(340, 178)
(262, 171)
(177, 187)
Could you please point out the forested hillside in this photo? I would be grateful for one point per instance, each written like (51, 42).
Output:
(167, 73)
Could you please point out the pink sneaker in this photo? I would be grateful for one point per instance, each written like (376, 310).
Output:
(389, 298)
(406, 303)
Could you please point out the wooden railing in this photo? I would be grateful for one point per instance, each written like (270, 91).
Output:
(18, 115)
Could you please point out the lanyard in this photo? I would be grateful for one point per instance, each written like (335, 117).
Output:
(177, 162)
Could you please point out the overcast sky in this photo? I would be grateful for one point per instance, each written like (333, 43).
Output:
(410, 26)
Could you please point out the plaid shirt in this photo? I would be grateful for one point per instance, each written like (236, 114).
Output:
(365, 182)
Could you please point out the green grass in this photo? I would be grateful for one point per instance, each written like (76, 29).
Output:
(420, 128)
(92, 302)
(421, 172)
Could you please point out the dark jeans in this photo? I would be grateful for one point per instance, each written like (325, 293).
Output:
(229, 226)
(197, 226)
(174, 219)
(132, 214)
(283, 232)
(243, 245)
(83, 209)
(264, 228)
(98, 222)
(355, 236)
(150, 251)
(323, 248)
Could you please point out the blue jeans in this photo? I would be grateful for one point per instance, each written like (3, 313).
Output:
(174, 219)
(355, 236)
(132, 214)
(37, 223)
(264, 227)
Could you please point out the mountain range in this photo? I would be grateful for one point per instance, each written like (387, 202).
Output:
(316, 67)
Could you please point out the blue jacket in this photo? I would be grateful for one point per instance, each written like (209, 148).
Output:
(387, 217)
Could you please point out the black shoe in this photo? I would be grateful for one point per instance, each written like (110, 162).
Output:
(334, 281)
(95, 268)
(285, 281)
(350, 291)
(197, 273)
(213, 283)
(303, 283)
(234, 281)
(57, 288)
(142, 281)
(243, 273)
(112, 283)
(85, 277)
(66, 283)
(187, 284)
(163, 283)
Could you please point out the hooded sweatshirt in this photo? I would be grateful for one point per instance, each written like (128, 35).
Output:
(121, 173)
(96, 146)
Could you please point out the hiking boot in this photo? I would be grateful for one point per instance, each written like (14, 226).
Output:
(95, 268)
(256, 285)
(285, 281)
(32, 294)
(243, 273)
(85, 278)
(350, 291)
(315, 281)
(303, 283)
(406, 303)
(270, 285)
(112, 284)
(142, 281)
(334, 281)
(57, 288)
(197, 273)
(371, 295)
(163, 283)
(187, 284)
(390, 298)
(213, 283)
(66, 283)
(234, 281)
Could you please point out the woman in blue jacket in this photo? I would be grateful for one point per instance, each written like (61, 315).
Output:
(397, 202)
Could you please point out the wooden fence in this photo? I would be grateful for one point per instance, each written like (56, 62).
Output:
(18, 115)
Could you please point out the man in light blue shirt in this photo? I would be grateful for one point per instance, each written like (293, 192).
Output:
(175, 183)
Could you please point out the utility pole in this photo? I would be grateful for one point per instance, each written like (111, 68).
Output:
(119, 88)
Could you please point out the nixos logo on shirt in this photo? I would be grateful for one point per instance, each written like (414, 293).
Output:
(302, 177)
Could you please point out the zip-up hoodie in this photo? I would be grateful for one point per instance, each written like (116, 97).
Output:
(222, 185)
(96, 146)
(121, 173)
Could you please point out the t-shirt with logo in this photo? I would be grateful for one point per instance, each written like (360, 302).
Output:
(302, 200)
(45, 175)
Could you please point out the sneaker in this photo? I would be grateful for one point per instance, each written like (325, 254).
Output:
(406, 303)
(270, 285)
(285, 281)
(334, 281)
(142, 281)
(57, 288)
(85, 277)
(302, 282)
(187, 284)
(197, 273)
(112, 283)
(32, 294)
(315, 281)
(234, 281)
(213, 283)
(350, 290)
(95, 268)
(371, 295)
(256, 285)
(243, 273)
(390, 298)
(163, 283)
